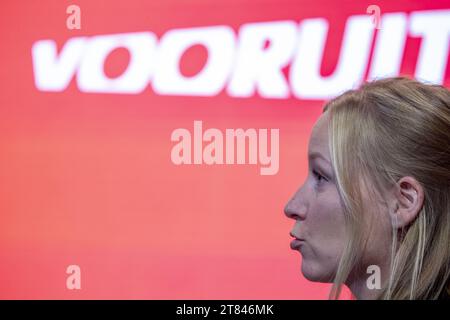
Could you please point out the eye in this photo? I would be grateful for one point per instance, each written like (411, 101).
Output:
(318, 176)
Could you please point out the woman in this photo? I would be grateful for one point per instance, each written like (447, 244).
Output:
(376, 201)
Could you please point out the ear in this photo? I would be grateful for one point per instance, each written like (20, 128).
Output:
(407, 201)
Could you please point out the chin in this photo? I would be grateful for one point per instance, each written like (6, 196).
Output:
(316, 273)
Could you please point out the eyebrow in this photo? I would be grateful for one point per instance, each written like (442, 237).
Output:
(313, 155)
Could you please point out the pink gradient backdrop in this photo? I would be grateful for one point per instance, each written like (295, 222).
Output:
(87, 179)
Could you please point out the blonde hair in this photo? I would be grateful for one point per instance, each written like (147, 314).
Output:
(385, 130)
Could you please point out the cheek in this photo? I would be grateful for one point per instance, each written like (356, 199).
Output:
(325, 227)
(325, 242)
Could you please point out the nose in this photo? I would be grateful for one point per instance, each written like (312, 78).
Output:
(295, 209)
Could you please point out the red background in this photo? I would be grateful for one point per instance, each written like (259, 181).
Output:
(87, 179)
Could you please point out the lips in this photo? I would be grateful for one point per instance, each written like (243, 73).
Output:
(297, 242)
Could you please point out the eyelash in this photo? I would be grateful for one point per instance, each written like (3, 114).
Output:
(318, 176)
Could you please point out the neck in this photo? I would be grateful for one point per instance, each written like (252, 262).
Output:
(369, 283)
(361, 291)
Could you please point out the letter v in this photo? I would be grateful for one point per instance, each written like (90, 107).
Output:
(53, 73)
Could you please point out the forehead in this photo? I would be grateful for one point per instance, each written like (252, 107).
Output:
(318, 141)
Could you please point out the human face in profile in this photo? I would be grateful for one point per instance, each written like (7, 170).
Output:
(319, 230)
